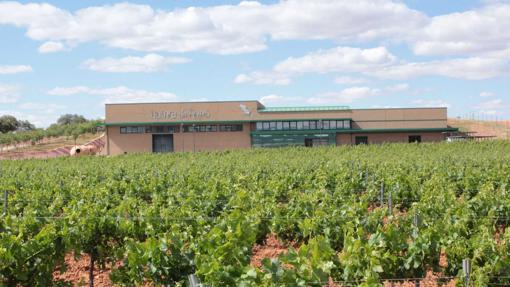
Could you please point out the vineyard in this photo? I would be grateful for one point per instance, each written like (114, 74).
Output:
(332, 216)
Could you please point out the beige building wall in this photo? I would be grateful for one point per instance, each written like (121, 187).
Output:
(118, 143)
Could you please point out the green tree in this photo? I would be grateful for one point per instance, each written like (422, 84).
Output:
(25, 126)
(69, 119)
(8, 123)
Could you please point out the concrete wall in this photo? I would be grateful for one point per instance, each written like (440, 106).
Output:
(379, 138)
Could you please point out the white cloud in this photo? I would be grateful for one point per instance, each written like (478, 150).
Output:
(224, 29)
(478, 31)
(486, 94)
(15, 69)
(474, 68)
(278, 100)
(339, 59)
(398, 88)
(492, 107)
(147, 63)
(349, 80)
(119, 94)
(431, 103)
(9, 94)
(345, 96)
(67, 91)
(47, 108)
(262, 78)
(51, 47)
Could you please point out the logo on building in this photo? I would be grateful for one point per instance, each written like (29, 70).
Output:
(245, 109)
(185, 114)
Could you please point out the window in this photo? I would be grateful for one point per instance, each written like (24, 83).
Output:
(299, 125)
(259, 126)
(306, 125)
(231, 128)
(266, 126)
(279, 126)
(293, 125)
(161, 129)
(325, 125)
(339, 124)
(132, 130)
(361, 140)
(313, 125)
(332, 125)
(272, 126)
(347, 124)
(286, 125)
(415, 139)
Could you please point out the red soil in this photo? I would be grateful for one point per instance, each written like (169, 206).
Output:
(77, 272)
(271, 249)
(431, 280)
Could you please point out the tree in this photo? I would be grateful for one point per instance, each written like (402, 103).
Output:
(68, 119)
(8, 123)
(25, 126)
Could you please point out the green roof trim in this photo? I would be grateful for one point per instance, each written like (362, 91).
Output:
(303, 109)
(356, 131)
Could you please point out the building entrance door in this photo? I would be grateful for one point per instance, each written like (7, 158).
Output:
(163, 143)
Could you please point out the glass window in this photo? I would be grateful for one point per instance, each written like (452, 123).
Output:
(332, 125)
(415, 139)
(299, 125)
(293, 125)
(259, 126)
(325, 125)
(361, 140)
(347, 124)
(339, 124)
(266, 126)
(122, 130)
(231, 128)
(306, 125)
(279, 126)
(272, 126)
(313, 125)
(285, 125)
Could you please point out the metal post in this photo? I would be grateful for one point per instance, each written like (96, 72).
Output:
(390, 202)
(466, 268)
(416, 223)
(193, 281)
(381, 195)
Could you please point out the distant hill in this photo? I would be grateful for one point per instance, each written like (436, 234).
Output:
(500, 129)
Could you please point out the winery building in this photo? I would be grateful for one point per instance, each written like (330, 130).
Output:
(199, 126)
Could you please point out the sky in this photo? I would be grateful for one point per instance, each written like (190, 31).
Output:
(60, 57)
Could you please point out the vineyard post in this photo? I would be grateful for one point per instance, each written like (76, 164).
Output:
(466, 268)
(416, 223)
(381, 196)
(390, 203)
(193, 281)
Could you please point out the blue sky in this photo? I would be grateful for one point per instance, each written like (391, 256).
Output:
(73, 56)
